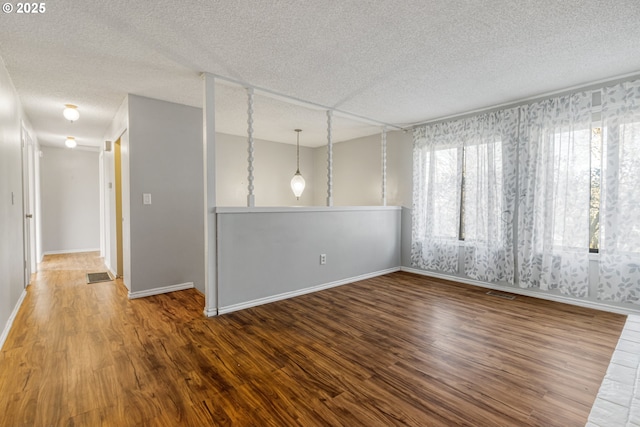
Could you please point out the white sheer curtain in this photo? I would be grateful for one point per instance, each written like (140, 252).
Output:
(437, 177)
(483, 150)
(490, 176)
(554, 186)
(619, 250)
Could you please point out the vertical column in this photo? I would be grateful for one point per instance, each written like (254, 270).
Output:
(250, 197)
(209, 156)
(329, 159)
(384, 166)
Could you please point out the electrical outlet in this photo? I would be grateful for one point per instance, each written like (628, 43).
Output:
(323, 259)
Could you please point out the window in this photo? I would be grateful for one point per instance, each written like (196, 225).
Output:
(460, 194)
(594, 200)
(549, 182)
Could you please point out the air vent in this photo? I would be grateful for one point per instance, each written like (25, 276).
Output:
(501, 295)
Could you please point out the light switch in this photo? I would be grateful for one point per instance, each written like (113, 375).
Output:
(146, 198)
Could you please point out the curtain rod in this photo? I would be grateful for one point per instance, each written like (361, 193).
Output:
(304, 102)
(599, 84)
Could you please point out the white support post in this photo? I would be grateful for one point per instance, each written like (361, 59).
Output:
(384, 166)
(329, 159)
(250, 197)
(209, 155)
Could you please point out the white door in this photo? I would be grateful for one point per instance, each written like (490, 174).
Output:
(28, 224)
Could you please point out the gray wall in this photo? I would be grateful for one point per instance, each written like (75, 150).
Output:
(70, 200)
(165, 160)
(11, 243)
(265, 254)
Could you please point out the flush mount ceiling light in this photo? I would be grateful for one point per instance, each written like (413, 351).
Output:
(297, 182)
(70, 112)
(70, 142)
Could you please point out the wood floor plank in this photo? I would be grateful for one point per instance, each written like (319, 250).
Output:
(399, 349)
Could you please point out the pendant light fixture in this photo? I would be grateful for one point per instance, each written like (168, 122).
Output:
(297, 182)
(70, 112)
(70, 142)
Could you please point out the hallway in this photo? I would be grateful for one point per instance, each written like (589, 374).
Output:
(70, 358)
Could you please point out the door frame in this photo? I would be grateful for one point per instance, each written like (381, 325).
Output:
(28, 205)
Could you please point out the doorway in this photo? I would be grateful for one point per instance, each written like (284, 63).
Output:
(28, 206)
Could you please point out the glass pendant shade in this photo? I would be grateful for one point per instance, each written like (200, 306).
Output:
(297, 185)
(70, 142)
(70, 112)
(297, 182)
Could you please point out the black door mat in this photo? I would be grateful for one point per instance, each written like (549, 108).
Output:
(98, 277)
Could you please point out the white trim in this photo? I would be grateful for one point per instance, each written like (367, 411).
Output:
(299, 101)
(70, 251)
(231, 210)
(163, 290)
(291, 294)
(210, 312)
(12, 317)
(527, 292)
(110, 270)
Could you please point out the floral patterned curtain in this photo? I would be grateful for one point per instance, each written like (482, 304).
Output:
(483, 150)
(490, 177)
(554, 192)
(619, 251)
(437, 176)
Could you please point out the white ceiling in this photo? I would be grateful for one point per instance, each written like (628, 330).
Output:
(395, 61)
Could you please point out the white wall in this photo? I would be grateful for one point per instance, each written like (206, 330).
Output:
(70, 200)
(400, 168)
(37, 204)
(264, 255)
(274, 166)
(165, 160)
(357, 171)
(11, 207)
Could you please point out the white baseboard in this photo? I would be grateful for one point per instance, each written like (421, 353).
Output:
(210, 312)
(12, 317)
(527, 292)
(291, 294)
(70, 251)
(163, 290)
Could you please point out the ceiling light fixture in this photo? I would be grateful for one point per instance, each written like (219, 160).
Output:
(71, 142)
(297, 182)
(70, 112)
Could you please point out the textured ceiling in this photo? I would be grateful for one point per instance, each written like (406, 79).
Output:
(398, 62)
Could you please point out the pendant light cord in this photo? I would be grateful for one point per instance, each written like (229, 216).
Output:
(298, 150)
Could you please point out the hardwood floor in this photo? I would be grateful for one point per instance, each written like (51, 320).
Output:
(400, 349)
